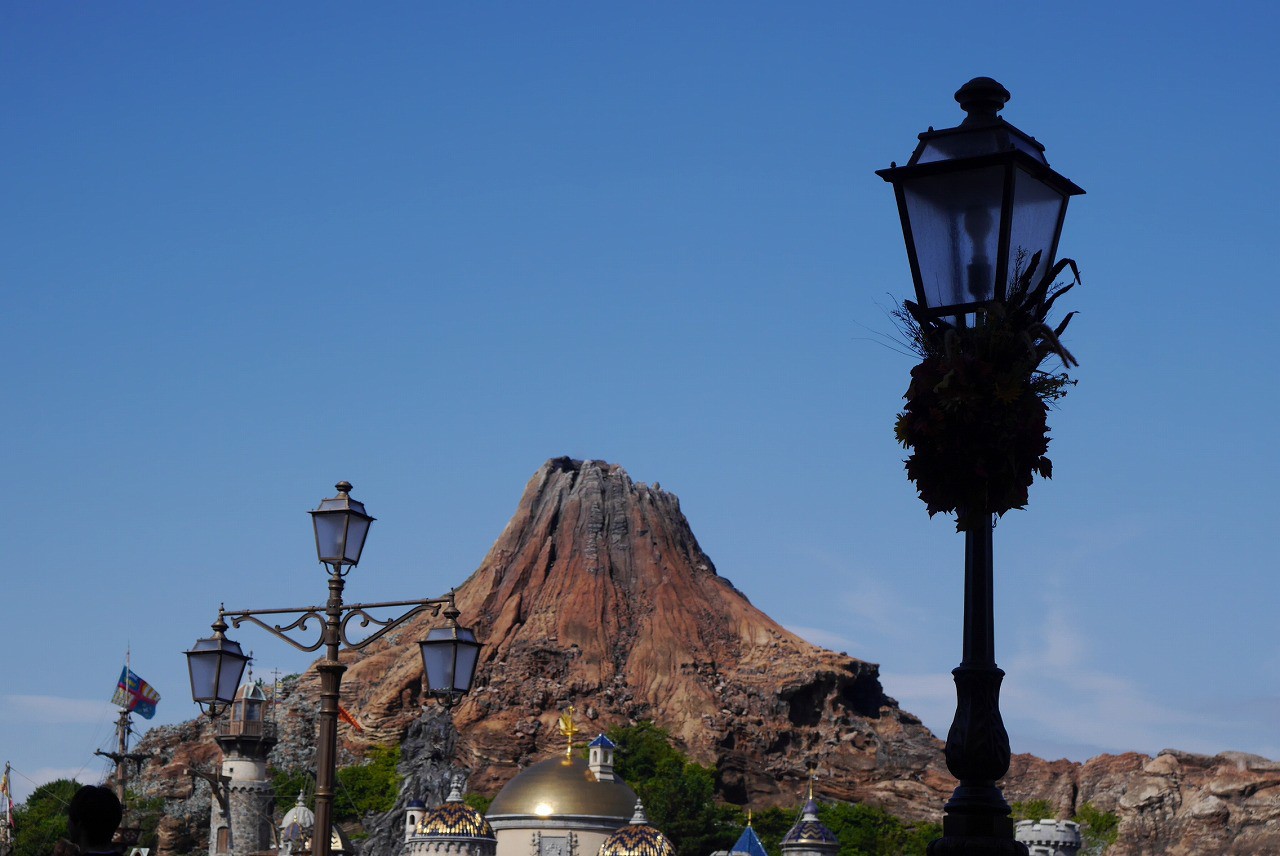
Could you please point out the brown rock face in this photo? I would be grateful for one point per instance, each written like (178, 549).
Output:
(598, 595)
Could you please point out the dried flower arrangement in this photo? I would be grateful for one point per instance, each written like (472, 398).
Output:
(976, 418)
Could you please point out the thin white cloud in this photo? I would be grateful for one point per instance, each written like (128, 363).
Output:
(932, 697)
(52, 710)
(1056, 701)
(1058, 692)
(823, 638)
(883, 611)
(26, 781)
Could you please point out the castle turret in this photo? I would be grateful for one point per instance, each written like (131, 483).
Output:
(246, 737)
(600, 760)
(413, 814)
(1049, 837)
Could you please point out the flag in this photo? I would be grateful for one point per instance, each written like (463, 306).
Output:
(135, 694)
(345, 716)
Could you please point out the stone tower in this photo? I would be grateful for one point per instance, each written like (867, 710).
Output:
(246, 736)
(1049, 837)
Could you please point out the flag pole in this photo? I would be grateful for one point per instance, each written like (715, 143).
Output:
(6, 829)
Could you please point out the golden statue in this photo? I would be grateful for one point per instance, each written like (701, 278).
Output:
(568, 730)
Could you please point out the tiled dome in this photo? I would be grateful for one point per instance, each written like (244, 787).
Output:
(637, 838)
(454, 819)
(810, 832)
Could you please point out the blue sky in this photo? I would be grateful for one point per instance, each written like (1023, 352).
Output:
(251, 249)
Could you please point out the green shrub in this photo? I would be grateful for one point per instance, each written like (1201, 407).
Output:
(42, 819)
(368, 787)
(1098, 828)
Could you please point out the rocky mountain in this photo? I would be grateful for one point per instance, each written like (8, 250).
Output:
(597, 594)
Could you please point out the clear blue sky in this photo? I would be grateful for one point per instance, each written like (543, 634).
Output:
(251, 249)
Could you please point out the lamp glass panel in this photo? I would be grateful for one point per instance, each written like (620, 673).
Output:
(357, 529)
(1037, 210)
(229, 675)
(465, 671)
(976, 142)
(215, 666)
(438, 659)
(203, 667)
(955, 229)
(969, 144)
(331, 536)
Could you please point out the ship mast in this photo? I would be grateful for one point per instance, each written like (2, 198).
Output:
(122, 753)
(6, 810)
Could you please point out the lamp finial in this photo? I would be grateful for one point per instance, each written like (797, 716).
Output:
(982, 99)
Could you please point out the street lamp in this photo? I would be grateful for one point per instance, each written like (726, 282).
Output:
(216, 665)
(974, 198)
(978, 203)
(449, 657)
(341, 525)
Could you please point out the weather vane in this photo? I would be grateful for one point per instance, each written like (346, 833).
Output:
(568, 730)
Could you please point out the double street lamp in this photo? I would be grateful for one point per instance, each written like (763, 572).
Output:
(977, 202)
(449, 653)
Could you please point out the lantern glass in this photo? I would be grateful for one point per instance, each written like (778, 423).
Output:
(1038, 211)
(449, 656)
(955, 230)
(341, 526)
(216, 665)
(340, 536)
(972, 142)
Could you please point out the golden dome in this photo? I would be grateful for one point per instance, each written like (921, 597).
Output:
(455, 820)
(562, 787)
(637, 838)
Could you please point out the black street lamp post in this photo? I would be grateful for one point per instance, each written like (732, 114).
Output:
(977, 202)
(449, 653)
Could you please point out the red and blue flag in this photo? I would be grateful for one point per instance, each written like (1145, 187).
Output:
(135, 694)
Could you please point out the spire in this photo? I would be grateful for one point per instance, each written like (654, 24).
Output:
(455, 790)
(639, 817)
(811, 805)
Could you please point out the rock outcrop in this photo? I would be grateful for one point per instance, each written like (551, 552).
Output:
(597, 594)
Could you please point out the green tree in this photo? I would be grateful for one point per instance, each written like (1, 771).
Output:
(867, 830)
(368, 787)
(862, 830)
(42, 819)
(479, 802)
(679, 799)
(1032, 810)
(678, 795)
(771, 824)
(287, 784)
(1098, 828)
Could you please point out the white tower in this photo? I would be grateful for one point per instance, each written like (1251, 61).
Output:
(600, 761)
(1049, 837)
